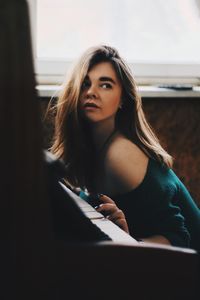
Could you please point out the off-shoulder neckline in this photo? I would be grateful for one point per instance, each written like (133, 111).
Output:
(140, 184)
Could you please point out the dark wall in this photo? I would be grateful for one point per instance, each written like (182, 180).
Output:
(176, 121)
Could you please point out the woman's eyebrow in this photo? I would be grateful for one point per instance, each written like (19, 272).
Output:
(105, 78)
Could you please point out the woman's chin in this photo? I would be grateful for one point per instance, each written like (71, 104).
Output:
(92, 118)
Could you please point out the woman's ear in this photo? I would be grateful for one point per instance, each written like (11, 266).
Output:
(120, 105)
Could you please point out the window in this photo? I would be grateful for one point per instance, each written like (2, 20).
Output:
(158, 38)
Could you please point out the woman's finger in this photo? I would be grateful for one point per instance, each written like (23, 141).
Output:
(118, 214)
(105, 198)
(122, 224)
(108, 207)
(114, 214)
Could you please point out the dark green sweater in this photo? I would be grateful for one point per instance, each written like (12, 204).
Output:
(161, 205)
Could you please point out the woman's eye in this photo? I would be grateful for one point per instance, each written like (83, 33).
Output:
(106, 86)
(85, 85)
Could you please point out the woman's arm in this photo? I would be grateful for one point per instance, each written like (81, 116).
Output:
(153, 210)
(158, 239)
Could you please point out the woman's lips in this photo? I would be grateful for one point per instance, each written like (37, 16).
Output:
(90, 106)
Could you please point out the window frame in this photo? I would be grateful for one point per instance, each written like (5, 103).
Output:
(53, 71)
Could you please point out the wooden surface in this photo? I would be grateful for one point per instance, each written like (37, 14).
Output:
(177, 124)
(117, 271)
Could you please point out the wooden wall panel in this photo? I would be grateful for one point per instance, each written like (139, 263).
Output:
(177, 124)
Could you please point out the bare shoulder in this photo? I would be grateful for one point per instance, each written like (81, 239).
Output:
(126, 163)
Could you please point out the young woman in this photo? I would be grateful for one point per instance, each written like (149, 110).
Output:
(109, 148)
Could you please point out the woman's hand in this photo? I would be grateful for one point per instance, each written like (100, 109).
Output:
(113, 213)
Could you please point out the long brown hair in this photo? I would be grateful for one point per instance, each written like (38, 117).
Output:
(72, 140)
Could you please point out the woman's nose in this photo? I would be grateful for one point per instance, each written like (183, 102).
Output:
(91, 92)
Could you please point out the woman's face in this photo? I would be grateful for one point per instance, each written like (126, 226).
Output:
(100, 94)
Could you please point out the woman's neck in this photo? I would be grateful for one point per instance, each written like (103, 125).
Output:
(101, 133)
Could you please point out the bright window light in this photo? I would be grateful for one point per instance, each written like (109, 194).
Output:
(144, 31)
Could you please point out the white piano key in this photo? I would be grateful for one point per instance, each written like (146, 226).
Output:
(113, 231)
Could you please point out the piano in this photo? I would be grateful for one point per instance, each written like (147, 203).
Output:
(115, 233)
(75, 220)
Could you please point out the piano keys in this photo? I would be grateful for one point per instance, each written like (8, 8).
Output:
(115, 233)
